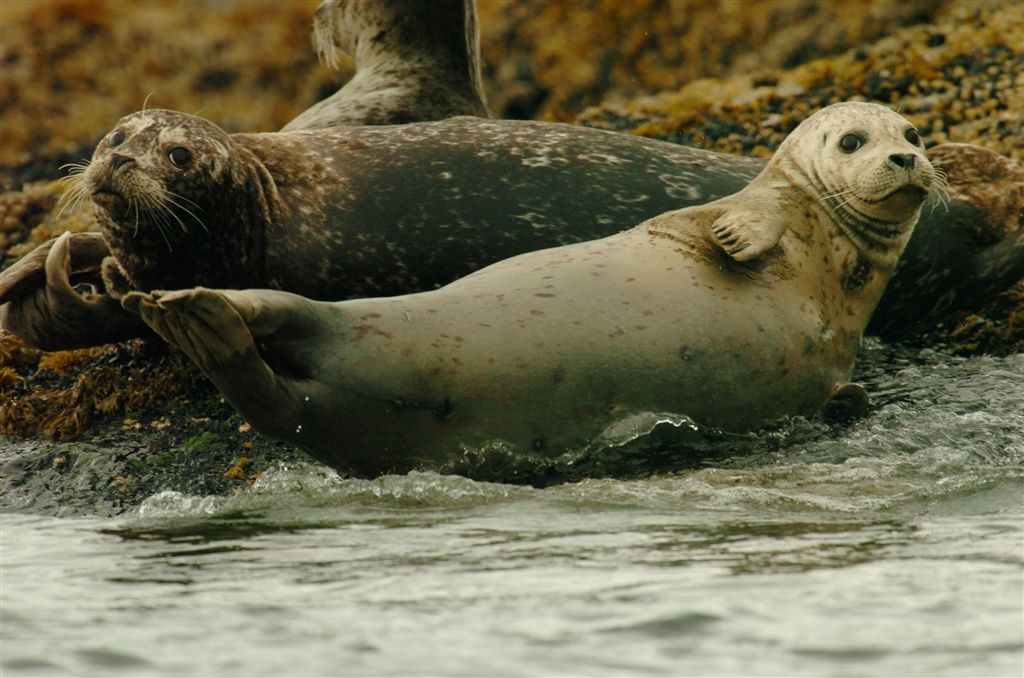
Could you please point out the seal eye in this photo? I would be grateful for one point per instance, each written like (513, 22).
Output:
(116, 138)
(179, 156)
(850, 143)
(912, 136)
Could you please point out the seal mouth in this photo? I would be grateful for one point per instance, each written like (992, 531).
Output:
(113, 203)
(910, 190)
(910, 195)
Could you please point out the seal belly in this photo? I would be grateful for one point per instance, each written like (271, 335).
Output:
(545, 357)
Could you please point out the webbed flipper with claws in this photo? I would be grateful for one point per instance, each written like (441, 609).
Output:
(40, 301)
(243, 342)
(747, 235)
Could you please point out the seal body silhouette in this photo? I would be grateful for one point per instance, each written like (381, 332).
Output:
(315, 211)
(340, 212)
(371, 211)
(740, 311)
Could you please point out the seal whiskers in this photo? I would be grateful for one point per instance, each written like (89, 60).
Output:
(153, 209)
(74, 186)
(172, 198)
(939, 189)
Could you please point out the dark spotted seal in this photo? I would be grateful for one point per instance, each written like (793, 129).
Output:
(416, 61)
(740, 311)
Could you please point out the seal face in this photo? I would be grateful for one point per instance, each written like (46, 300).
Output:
(837, 154)
(163, 181)
(734, 313)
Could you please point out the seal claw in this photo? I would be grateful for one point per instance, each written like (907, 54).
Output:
(745, 235)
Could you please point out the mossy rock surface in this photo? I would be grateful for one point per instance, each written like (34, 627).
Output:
(549, 60)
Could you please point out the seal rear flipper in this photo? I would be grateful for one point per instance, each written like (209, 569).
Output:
(48, 313)
(198, 321)
(273, 315)
(85, 256)
(205, 326)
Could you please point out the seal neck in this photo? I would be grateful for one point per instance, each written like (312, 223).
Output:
(439, 47)
(262, 206)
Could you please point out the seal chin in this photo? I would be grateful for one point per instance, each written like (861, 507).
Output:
(905, 198)
(112, 203)
(910, 190)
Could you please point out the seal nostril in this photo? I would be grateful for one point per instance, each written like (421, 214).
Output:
(905, 160)
(116, 160)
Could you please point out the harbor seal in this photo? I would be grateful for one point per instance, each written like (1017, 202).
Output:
(413, 207)
(340, 212)
(737, 312)
(416, 61)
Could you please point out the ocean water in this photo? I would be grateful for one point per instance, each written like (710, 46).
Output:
(892, 545)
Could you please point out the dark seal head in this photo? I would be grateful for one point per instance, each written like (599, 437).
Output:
(164, 182)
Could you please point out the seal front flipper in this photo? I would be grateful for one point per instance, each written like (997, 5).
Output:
(114, 279)
(42, 306)
(847, 401)
(747, 230)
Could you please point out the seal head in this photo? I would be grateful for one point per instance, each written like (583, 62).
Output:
(851, 178)
(157, 180)
(866, 166)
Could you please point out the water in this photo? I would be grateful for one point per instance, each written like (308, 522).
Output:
(891, 546)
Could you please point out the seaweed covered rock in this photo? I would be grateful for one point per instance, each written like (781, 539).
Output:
(548, 60)
(98, 430)
(958, 80)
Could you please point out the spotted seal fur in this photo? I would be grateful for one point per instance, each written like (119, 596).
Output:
(413, 207)
(736, 312)
(416, 61)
